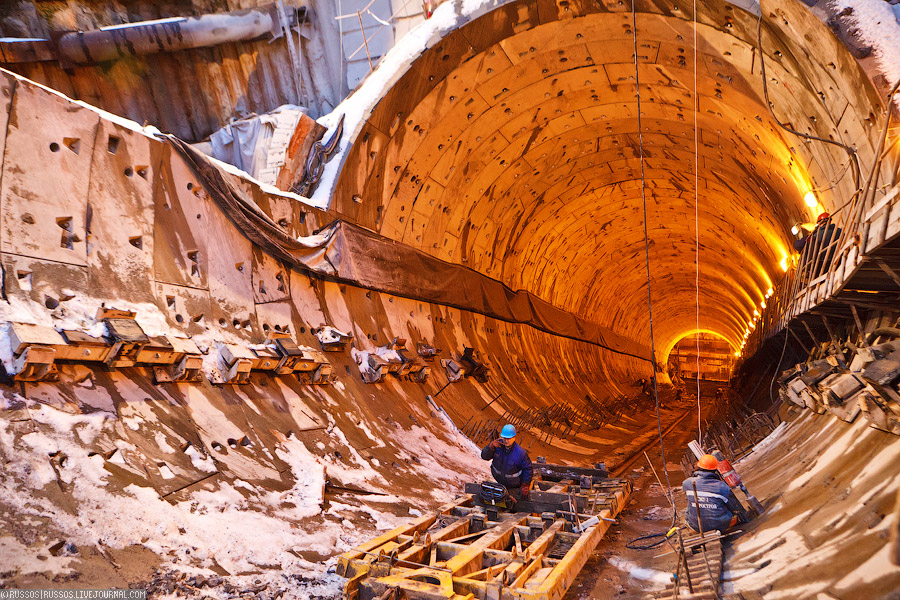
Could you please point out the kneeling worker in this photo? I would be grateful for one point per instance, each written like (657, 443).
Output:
(511, 466)
(716, 504)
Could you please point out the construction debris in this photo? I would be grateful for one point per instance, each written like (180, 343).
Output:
(467, 550)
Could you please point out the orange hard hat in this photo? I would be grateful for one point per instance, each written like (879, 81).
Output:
(822, 217)
(708, 462)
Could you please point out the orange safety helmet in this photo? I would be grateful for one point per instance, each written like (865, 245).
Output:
(822, 217)
(708, 462)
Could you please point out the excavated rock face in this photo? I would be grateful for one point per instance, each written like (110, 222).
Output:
(513, 145)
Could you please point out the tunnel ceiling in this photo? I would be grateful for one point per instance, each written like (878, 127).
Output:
(512, 147)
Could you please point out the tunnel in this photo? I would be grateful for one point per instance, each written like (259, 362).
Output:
(580, 217)
(514, 146)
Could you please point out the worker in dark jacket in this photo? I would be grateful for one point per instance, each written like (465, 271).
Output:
(717, 504)
(511, 466)
(821, 242)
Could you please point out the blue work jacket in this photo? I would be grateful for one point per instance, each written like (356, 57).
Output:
(511, 466)
(717, 503)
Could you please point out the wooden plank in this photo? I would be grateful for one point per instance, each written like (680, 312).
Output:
(420, 525)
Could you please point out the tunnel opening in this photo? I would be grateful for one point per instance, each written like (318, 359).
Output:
(706, 356)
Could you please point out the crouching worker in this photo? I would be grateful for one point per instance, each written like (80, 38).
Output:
(715, 505)
(511, 465)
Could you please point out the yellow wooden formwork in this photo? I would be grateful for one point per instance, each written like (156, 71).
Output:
(458, 554)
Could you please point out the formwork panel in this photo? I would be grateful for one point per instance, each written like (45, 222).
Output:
(271, 281)
(180, 224)
(7, 89)
(186, 308)
(230, 263)
(44, 281)
(44, 209)
(120, 249)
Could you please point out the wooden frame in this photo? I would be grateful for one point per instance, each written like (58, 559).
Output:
(457, 553)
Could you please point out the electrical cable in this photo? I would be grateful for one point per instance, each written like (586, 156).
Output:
(787, 331)
(857, 172)
(697, 219)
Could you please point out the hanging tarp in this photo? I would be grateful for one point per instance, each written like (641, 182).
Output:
(351, 254)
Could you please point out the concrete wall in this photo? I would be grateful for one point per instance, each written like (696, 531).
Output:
(95, 212)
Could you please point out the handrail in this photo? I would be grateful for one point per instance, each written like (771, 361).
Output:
(817, 270)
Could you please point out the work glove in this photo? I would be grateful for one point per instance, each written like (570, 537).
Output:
(495, 444)
(526, 490)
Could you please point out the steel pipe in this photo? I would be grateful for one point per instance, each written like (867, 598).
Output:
(146, 37)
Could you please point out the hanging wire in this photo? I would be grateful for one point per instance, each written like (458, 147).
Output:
(697, 218)
(343, 72)
(851, 152)
(637, 86)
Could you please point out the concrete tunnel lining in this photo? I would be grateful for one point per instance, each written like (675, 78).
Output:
(531, 175)
(373, 425)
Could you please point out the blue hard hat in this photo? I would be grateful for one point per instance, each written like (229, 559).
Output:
(508, 431)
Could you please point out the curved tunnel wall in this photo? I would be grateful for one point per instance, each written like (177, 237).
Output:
(140, 231)
(511, 145)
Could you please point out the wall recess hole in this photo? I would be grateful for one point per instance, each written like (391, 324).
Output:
(179, 318)
(194, 257)
(283, 223)
(24, 279)
(170, 301)
(137, 241)
(128, 171)
(112, 145)
(73, 144)
(142, 171)
(50, 302)
(68, 238)
(223, 323)
(239, 267)
(54, 147)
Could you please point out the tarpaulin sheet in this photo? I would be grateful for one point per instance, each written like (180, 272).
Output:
(351, 254)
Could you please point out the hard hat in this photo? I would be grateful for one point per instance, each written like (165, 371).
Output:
(708, 462)
(822, 217)
(508, 431)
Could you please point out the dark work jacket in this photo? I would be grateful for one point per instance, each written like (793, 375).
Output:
(511, 466)
(819, 241)
(718, 503)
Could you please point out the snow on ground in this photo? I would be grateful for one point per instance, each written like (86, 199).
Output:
(212, 530)
(821, 510)
(878, 25)
(220, 528)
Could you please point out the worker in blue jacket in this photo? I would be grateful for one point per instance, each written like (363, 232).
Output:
(511, 465)
(716, 504)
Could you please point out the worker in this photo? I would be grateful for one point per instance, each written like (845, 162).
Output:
(822, 241)
(719, 508)
(511, 465)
